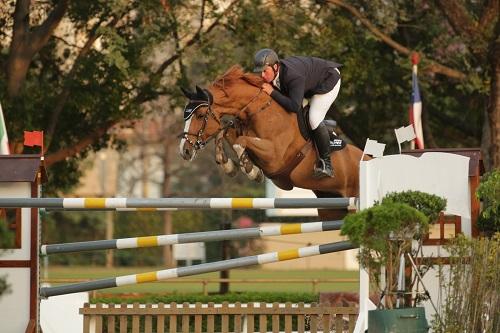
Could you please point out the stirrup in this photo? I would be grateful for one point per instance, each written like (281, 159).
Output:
(321, 171)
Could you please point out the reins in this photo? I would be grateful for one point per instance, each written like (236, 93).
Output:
(199, 143)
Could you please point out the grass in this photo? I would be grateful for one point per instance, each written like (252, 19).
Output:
(171, 286)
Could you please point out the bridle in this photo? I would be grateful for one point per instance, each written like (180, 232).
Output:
(199, 143)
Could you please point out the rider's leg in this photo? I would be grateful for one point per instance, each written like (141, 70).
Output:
(320, 104)
(322, 140)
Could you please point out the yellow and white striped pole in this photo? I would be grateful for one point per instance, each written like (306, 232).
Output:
(206, 236)
(197, 269)
(125, 204)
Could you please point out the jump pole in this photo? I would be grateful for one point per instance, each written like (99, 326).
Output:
(176, 203)
(197, 269)
(206, 236)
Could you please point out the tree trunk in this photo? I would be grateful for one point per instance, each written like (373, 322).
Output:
(494, 102)
(168, 258)
(226, 255)
(27, 41)
(17, 67)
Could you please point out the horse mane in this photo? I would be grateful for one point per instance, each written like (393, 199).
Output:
(233, 75)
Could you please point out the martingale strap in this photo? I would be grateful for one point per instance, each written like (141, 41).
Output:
(282, 176)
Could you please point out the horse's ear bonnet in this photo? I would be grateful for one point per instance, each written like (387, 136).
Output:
(204, 95)
(201, 97)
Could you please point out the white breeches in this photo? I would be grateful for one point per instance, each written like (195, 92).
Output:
(320, 104)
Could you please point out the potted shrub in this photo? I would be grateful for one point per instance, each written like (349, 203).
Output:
(489, 193)
(385, 232)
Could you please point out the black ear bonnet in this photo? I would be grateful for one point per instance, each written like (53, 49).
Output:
(200, 97)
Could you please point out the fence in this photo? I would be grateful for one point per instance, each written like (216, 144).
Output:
(251, 317)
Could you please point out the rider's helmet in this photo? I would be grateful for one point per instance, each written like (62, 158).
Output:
(263, 58)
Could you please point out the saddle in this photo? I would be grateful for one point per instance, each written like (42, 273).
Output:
(336, 143)
(281, 178)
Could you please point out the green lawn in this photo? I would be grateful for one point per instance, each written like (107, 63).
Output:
(170, 286)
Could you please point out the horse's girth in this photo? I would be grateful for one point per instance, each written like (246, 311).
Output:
(282, 177)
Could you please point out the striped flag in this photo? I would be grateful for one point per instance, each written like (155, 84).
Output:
(4, 140)
(415, 111)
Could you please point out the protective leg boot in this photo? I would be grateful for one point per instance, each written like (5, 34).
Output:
(323, 167)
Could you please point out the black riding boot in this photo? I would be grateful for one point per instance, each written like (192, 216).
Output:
(323, 167)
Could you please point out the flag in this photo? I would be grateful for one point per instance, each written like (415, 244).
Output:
(415, 110)
(4, 140)
(404, 134)
(372, 147)
(34, 138)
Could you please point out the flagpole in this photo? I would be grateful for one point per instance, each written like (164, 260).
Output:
(4, 139)
(415, 110)
(414, 60)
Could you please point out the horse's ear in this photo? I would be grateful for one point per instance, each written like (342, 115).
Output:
(200, 93)
(187, 93)
(210, 97)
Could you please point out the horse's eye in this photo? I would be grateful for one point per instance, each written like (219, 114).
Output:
(199, 115)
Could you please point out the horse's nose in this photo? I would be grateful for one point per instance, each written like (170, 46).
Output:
(187, 153)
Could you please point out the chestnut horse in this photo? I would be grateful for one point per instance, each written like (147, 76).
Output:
(235, 106)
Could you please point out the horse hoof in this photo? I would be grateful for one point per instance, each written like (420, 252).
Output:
(230, 168)
(260, 177)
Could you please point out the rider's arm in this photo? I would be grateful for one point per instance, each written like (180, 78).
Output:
(293, 102)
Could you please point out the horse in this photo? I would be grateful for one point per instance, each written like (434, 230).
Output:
(234, 107)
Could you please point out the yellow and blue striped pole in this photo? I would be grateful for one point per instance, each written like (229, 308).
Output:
(206, 236)
(197, 269)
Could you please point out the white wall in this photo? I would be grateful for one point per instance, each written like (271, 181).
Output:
(14, 306)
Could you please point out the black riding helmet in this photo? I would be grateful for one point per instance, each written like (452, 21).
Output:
(263, 58)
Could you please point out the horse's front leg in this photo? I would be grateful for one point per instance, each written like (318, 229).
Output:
(252, 171)
(227, 164)
(262, 148)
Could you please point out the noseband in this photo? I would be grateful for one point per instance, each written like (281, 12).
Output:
(199, 143)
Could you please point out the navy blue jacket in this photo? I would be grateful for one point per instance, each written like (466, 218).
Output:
(301, 77)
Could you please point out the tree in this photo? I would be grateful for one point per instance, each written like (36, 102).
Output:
(79, 69)
(105, 61)
(465, 48)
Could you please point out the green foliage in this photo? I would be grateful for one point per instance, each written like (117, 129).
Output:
(378, 227)
(6, 237)
(229, 297)
(471, 285)
(116, 80)
(5, 288)
(489, 193)
(384, 233)
(428, 204)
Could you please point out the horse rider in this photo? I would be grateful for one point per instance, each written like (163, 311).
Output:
(288, 81)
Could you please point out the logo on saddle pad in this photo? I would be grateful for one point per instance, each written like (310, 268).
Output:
(336, 143)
